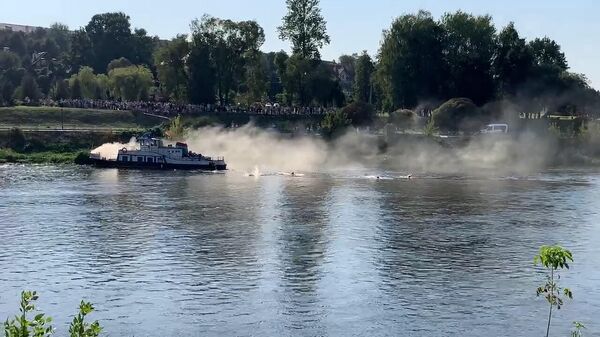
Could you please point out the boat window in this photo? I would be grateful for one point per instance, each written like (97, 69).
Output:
(140, 159)
(150, 160)
(124, 158)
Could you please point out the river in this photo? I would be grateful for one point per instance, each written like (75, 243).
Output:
(328, 254)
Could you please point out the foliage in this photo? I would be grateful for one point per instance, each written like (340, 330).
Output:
(359, 113)
(430, 129)
(334, 123)
(512, 61)
(121, 62)
(22, 325)
(411, 62)
(577, 329)
(16, 139)
(457, 114)
(176, 130)
(28, 90)
(553, 258)
(86, 84)
(363, 77)
(305, 28)
(171, 69)
(39, 326)
(79, 328)
(403, 118)
(219, 52)
(130, 83)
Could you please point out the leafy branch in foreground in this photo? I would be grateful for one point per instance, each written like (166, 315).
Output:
(39, 326)
(553, 258)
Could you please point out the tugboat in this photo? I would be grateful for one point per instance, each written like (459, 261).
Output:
(153, 154)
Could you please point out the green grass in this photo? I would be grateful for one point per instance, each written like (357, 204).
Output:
(74, 157)
(53, 118)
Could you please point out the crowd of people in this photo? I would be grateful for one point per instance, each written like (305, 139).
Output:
(168, 109)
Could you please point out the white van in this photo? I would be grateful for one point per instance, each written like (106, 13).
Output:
(495, 128)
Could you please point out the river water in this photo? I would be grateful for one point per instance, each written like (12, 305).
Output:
(336, 254)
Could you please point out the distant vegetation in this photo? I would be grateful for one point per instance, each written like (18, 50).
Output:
(421, 63)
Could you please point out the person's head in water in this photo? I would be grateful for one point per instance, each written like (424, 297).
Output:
(293, 173)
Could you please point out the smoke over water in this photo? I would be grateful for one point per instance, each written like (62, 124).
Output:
(249, 147)
(111, 150)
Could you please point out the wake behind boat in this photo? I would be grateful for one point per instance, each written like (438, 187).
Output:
(153, 154)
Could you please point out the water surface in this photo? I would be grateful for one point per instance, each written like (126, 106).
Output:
(336, 254)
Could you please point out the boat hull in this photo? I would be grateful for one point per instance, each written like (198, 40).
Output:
(157, 166)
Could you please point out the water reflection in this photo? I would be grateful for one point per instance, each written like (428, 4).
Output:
(321, 255)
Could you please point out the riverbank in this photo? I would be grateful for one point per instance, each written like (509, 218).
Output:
(72, 157)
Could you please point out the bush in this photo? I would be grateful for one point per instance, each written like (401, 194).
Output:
(458, 114)
(334, 123)
(359, 113)
(403, 118)
(40, 325)
(16, 139)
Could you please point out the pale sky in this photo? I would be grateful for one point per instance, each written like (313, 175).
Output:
(354, 25)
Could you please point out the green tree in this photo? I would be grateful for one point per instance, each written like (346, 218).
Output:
(553, 258)
(121, 62)
(256, 78)
(305, 28)
(75, 86)
(228, 46)
(457, 114)
(547, 52)
(130, 83)
(171, 68)
(28, 90)
(87, 81)
(410, 67)
(363, 78)
(359, 113)
(142, 47)
(110, 37)
(81, 52)
(334, 124)
(469, 47)
(61, 90)
(512, 61)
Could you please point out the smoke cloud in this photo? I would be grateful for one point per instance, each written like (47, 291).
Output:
(111, 150)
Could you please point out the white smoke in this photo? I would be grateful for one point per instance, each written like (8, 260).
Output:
(111, 150)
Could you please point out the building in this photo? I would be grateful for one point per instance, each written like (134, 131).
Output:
(18, 28)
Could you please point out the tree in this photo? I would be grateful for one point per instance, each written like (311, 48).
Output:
(28, 90)
(553, 258)
(512, 61)
(76, 92)
(110, 37)
(359, 113)
(61, 90)
(410, 67)
(457, 114)
(334, 123)
(118, 63)
(171, 69)
(130, 83)
(547, 52)
(142, 47)
(81, 52)
(363, 77)
(469, 47)
(305, 28)
(256, 82)
(87, 82)
(201, 72)
(228, 46)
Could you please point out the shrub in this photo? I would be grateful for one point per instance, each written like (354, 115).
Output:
(359, 113)
(334, 123)
(16, 139)
(23, 326)
(458, 114)
(403, 118)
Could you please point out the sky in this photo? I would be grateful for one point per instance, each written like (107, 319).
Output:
(353, 25)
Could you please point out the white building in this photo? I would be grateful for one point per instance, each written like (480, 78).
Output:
(17, 28)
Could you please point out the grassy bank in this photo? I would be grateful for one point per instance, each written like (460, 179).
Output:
(27, 117)
(73, 157)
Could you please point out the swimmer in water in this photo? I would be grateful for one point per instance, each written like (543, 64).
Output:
(293, 174)
(377, 177)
